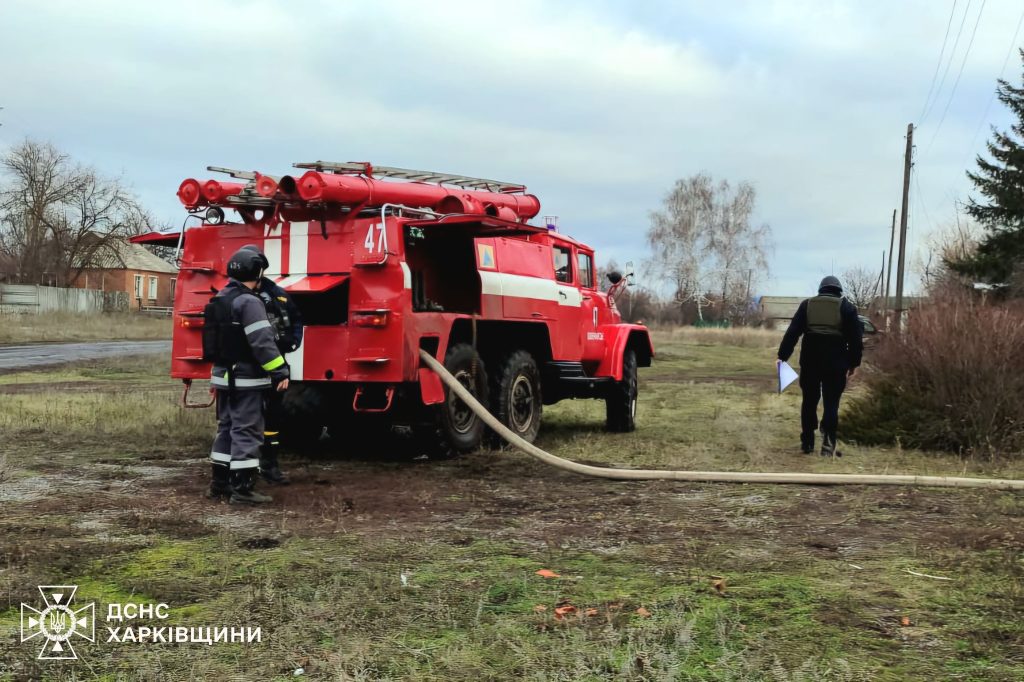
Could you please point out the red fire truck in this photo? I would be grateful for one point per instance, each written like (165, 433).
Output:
(383, 262)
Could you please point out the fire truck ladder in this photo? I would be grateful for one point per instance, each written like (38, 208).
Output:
(371, 171)
(248, 197)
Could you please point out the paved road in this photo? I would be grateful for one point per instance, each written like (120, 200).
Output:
(39, 354)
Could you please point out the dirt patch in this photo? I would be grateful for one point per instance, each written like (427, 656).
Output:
(179, 524)
(259, 543)
(502, 496)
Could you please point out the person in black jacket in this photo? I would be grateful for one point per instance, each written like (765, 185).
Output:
(830, 353)
(246, 363)
(286, 321)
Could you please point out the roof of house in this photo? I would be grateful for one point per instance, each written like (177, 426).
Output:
(134, 257)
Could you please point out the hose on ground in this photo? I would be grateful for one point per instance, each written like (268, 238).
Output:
(706, 476)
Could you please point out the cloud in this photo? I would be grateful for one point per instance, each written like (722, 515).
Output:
(597, 107)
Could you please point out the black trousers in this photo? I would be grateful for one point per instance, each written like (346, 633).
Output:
(820, 384)
(273, 409)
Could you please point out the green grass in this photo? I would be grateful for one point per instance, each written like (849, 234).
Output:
(815, 579)
(138, 368)
(59, 326)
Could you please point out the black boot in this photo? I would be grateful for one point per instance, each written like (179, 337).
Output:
(242, 482)
(269, 467)
(828, 445)
(220, 485)
(807, 442)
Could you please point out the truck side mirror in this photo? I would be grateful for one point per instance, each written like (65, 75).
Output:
(614, 277)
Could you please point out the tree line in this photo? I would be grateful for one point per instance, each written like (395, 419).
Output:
(59, 217)
(708, 256)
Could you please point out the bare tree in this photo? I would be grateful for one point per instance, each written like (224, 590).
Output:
(704, 243)
(58, 218)
(956, 242)
(679, 237)
(860, 286)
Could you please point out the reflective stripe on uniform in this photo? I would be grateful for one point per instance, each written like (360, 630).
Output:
(237, 464)
(275, 363)
(256, 326)
(220, 457)
(240, 383)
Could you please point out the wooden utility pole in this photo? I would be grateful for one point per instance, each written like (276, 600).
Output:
(907, 163)
(876, 292)
(888, 270)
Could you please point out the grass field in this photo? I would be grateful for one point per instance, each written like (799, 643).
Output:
(372, 567)
(53, 327)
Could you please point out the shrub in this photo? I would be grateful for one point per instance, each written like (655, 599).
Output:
(953, 381)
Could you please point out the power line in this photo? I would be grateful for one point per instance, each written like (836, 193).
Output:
(992, 96)
(949, 62)
(963, 63)
(921, 201)
(938, 64)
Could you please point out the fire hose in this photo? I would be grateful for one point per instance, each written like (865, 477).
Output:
(707, 476)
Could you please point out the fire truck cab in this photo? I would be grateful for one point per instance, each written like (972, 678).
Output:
(385, 262)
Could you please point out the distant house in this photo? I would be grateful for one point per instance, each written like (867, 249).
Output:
(147, 279)
(777, 311)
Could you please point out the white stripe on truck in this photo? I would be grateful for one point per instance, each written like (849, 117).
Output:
(298, 249)
(272, 250)
(294, 360)
(523, 286)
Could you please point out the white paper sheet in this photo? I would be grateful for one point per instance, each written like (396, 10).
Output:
(787, 375)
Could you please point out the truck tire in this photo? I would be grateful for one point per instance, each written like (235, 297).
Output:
(303, 426)
(459, 429)
(516, 395)
(620, 403)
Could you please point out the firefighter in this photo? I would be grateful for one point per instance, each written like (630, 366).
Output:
(246, 364)
(287, 323)
(829, 355)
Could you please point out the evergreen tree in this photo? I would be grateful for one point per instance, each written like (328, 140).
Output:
(1000, 255)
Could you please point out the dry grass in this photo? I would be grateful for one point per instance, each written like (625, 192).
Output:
(54, 327)
(950, 382)
(741, 337)
(371, 570)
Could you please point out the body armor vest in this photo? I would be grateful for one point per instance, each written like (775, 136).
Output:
(823, 315)
(224, 341)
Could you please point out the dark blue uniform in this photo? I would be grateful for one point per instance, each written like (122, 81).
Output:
(287, 321)
(832, 347)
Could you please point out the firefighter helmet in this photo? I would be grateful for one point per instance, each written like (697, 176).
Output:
(253, 247)
(246, 265)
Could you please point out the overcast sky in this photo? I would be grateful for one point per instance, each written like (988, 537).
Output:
(596, 106)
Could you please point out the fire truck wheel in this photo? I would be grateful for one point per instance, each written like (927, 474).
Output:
(620, 404)
(460, 428)
(303, 428)
(516, 395)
